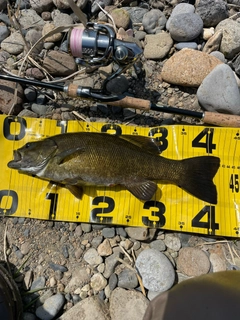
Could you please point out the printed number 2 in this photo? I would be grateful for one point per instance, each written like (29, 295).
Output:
(234, 183)
(210, 224)
(208, 144)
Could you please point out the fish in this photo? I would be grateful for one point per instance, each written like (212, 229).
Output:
(78, 159)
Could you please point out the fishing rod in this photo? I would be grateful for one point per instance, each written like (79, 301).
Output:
(219, 119)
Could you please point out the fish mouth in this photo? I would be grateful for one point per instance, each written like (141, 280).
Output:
(17, 160)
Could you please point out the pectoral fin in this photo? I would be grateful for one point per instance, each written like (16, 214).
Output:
(68, 154)
(142, 190)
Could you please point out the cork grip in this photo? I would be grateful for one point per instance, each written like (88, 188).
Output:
(223, 120)
(72, 90)
(130, 102)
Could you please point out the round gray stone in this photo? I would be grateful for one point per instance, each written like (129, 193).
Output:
(127, 279)
(92, 257)
(154, 19)
(185, 26)
(179, 9)
(158, 245)
(219, 91)
(156, 270)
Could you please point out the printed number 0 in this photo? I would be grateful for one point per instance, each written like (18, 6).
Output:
(7, 128)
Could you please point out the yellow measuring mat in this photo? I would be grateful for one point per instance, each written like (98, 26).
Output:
(170, 208)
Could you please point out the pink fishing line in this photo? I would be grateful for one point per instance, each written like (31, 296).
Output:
(76, 42)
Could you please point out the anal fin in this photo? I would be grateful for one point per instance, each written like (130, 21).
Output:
(142, 190)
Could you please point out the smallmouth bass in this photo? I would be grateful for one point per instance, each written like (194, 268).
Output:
(75, 160)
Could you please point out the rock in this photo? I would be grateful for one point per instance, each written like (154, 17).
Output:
(61, 19)
(86, 227)
(39, 283)
(112, 282)
(108, 232)
(212, 11)
(179, 9)
(118, 85)
(152, 20)
(98, 282)
(25, 247)
(218, 264)
(32, 36)
(137, 233)
(158, 245)
(7, 89)
(57, 267)
(27, 113)
(213, 43)
(61, 4)
(219, 91)
(110, 264)
(59, 63)
(4, 33)
(41, 5)
(14, 44)
(156, 270)
(157, 46)
(172, 241)
(80, 277)
(189, 45)
(29, 18)
(92, 257)
(219, 55)
(30, 94)
(185, 26)
(121, 18)
(236, 65)
(136, 13)
(123, 302)
(127, 279)
(39, 109)
(230, 44)
(48, 27)
(193, 262)
(183, 67)
(90, 308)
(51, 307)
(104, 249)
(207, 33)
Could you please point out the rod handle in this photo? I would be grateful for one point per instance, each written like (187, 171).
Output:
(130, 102)
(223, 120)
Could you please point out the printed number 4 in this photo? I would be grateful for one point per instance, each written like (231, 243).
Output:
(210, 224)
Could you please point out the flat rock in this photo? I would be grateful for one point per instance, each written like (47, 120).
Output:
(189, 45)
(127, 279)
(136, 13)
(41, 5)
(217, 262)
(137, 233)
(219, 91)
(156, 270)
(212, 11)
(214, 42)
(59, 63)
(7, 89)
(92, 257)
(29, 18)
(90, 308)
(110, 264)
(188, 67)
(185, 26)
(157, 46)
(121, 18)
(98, 282)
(80, 277)
(14, 44)
(104, 249)
(51, 307)
(193, 262)
(230, 44)
(153, 20)
(127, 304)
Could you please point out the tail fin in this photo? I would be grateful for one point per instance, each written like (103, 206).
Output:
(197, 178)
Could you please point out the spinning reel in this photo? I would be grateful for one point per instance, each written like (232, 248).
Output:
(96, 45)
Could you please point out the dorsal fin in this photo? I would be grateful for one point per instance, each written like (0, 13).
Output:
(148, 144)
